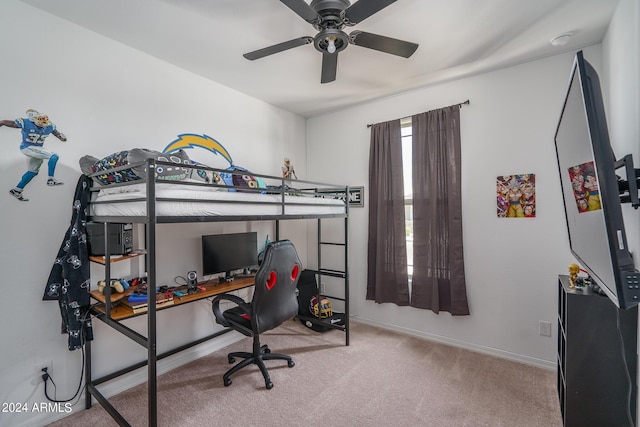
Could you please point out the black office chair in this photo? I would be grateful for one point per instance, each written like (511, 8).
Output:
(274, 301)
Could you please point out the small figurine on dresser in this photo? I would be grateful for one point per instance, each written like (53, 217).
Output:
(575, 282)
(287, 170)
(574, 269)
(35, 129)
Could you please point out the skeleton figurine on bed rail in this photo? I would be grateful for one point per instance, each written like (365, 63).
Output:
(35, 129)
(287, 170)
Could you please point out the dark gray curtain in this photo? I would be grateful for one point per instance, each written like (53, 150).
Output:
(438, 266)
(387, 277)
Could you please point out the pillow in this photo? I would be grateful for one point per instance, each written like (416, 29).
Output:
(90, 164)
(242, 180)
(163, 172)
(86, 164)
(204, 176)
(111, 161)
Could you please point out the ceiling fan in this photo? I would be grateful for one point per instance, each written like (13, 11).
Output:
(329, 17)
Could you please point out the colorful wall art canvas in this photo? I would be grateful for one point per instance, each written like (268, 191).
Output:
(585, 187)
(516, 196)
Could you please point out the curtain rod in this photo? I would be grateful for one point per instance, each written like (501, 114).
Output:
(467, 102)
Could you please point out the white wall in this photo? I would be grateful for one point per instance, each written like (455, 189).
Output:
(106, 97)
(511, 264)
(621, 51)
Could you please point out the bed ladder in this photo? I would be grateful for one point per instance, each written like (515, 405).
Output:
(341, 274)
(322, 271)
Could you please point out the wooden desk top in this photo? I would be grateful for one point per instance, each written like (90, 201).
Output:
(113, 258)
(213, 288)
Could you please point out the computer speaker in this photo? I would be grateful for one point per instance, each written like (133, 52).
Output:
(192, 281)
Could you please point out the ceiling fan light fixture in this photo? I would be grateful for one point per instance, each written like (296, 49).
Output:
(331, 40)
(331, 46)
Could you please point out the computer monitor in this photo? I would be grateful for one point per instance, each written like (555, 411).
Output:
(227, 253)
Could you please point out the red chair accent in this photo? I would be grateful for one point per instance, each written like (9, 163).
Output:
(271, 282)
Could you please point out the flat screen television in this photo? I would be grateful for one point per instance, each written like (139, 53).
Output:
(591, 189)
(227, 253)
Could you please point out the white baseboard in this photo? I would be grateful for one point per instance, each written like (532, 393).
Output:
(541, 363)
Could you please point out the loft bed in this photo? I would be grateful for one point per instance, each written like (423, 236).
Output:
(192, 200)
(155, 191)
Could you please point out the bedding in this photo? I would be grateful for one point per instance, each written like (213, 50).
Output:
(200, 173)
(90, 165)
(239, 177)
(183, 200)
(185, 188)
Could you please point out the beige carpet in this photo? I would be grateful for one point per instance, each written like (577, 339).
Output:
(382, 379)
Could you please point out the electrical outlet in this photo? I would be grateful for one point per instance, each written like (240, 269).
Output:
(545, 328)
(43, 364)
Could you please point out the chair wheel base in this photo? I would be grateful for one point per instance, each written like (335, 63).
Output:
(258, 356)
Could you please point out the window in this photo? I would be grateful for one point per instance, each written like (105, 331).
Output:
(426, 143)
(405, 129)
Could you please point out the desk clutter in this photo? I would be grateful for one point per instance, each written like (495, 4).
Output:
(129, 297)
(133, 293)
(139, 302)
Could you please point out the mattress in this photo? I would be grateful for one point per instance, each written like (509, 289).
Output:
(184, 201)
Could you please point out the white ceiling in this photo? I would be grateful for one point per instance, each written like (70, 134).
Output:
(457, 38)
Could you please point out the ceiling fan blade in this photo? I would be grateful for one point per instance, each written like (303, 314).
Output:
(362, 9)
(302, 9)
(261, 53)
(329, 67)
(382, 43)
